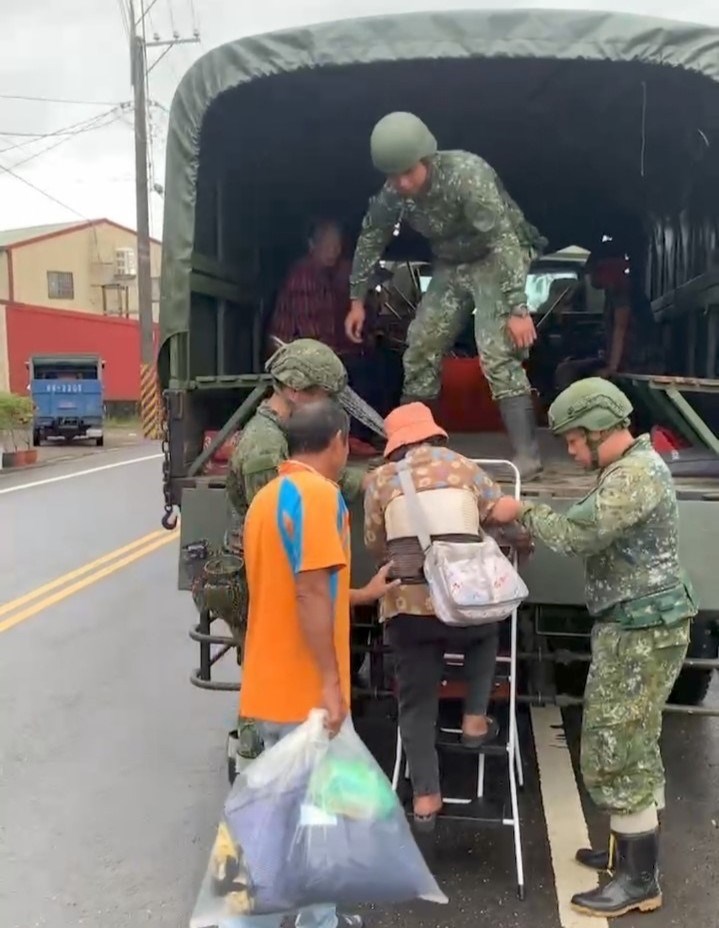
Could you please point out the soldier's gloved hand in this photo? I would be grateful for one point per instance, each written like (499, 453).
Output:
(521, 330)
(354, 322)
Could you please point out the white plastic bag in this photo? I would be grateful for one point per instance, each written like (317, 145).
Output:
(315, 820)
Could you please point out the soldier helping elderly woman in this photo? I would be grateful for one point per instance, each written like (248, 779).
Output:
(626, 532)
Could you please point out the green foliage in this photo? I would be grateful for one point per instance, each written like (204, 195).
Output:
(16, 417)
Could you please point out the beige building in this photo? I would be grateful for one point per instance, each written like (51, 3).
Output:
(82, 266)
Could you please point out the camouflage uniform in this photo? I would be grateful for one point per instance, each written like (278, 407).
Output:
(302, 365)
(261, 448)
(482, 247)
(626, 530)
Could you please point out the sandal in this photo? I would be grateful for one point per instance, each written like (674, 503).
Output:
(478, 741)
(425, 823)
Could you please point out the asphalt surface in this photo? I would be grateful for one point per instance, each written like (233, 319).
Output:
(112, 766)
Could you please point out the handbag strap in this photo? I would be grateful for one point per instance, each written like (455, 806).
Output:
(416, 513)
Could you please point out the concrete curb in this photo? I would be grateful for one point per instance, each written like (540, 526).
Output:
(65, 458)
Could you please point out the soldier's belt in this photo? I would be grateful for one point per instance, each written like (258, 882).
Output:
(664, 608)
(471, 255)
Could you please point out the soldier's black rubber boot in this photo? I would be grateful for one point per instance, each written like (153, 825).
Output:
(634, 886)
(598, 860)
(521, 425)
(594, 860)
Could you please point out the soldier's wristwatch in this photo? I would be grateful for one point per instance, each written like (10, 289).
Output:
(521, 310)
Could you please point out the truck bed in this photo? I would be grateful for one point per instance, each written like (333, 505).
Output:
(561, 477)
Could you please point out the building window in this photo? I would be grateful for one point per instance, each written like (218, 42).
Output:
(60, 285)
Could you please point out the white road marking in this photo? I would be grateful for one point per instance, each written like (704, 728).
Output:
(566, 826)
(78, 473)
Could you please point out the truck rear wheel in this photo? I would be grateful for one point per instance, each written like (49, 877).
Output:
(100, 442)
(691, 687)
(36, 438)
(693, 683)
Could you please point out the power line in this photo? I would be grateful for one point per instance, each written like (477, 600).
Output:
(102, 122)
(172, 17)
(146, 12)
(193, 13)
(125, 16)
(37, 136)
(14, 96)
(65, 130)
(39, 190)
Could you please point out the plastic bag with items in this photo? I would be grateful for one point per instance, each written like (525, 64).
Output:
(315, 820)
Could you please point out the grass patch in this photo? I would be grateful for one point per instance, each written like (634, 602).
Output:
(124, 423)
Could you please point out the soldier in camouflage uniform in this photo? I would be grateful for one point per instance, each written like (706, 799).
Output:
(482, 247)
(626, 531)
(303, 371)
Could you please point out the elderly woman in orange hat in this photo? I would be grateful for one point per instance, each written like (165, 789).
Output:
(459, 498)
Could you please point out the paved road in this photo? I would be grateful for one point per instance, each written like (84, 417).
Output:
(112, 766)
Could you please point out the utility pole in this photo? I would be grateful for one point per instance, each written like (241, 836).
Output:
(149, 394)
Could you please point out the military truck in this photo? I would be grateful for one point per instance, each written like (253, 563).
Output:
(597, 123)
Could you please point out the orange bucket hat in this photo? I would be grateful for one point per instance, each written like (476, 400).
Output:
(409, 425)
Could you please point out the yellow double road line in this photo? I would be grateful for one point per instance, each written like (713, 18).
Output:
(28, 605)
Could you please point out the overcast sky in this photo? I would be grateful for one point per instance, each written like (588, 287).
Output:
(78, 50)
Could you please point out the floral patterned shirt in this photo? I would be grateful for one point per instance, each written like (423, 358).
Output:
(432, 468)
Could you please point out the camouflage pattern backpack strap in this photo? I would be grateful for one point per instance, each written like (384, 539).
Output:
(225, 591)
(219, 583)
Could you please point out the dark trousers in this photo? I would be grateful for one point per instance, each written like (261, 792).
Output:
(419, 644)
(568, 372)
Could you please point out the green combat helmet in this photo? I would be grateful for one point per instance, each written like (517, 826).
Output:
(594, 404)
(399, 141)
(305, 364)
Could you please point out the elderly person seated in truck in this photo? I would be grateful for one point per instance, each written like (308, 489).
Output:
(312, 303)
(632, 337)
(460, 500)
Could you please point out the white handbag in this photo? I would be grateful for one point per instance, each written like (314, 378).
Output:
(470, 582)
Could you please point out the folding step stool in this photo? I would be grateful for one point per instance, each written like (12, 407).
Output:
(449, 739)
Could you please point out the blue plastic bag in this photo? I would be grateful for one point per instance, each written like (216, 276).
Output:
(314, 820)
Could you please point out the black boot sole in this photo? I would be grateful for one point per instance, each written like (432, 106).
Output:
(644, 905)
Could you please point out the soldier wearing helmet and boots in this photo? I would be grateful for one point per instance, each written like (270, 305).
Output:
(303, 371)
(626, 531)
(482, 247)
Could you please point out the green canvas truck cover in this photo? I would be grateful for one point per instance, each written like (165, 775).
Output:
(464, 34)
